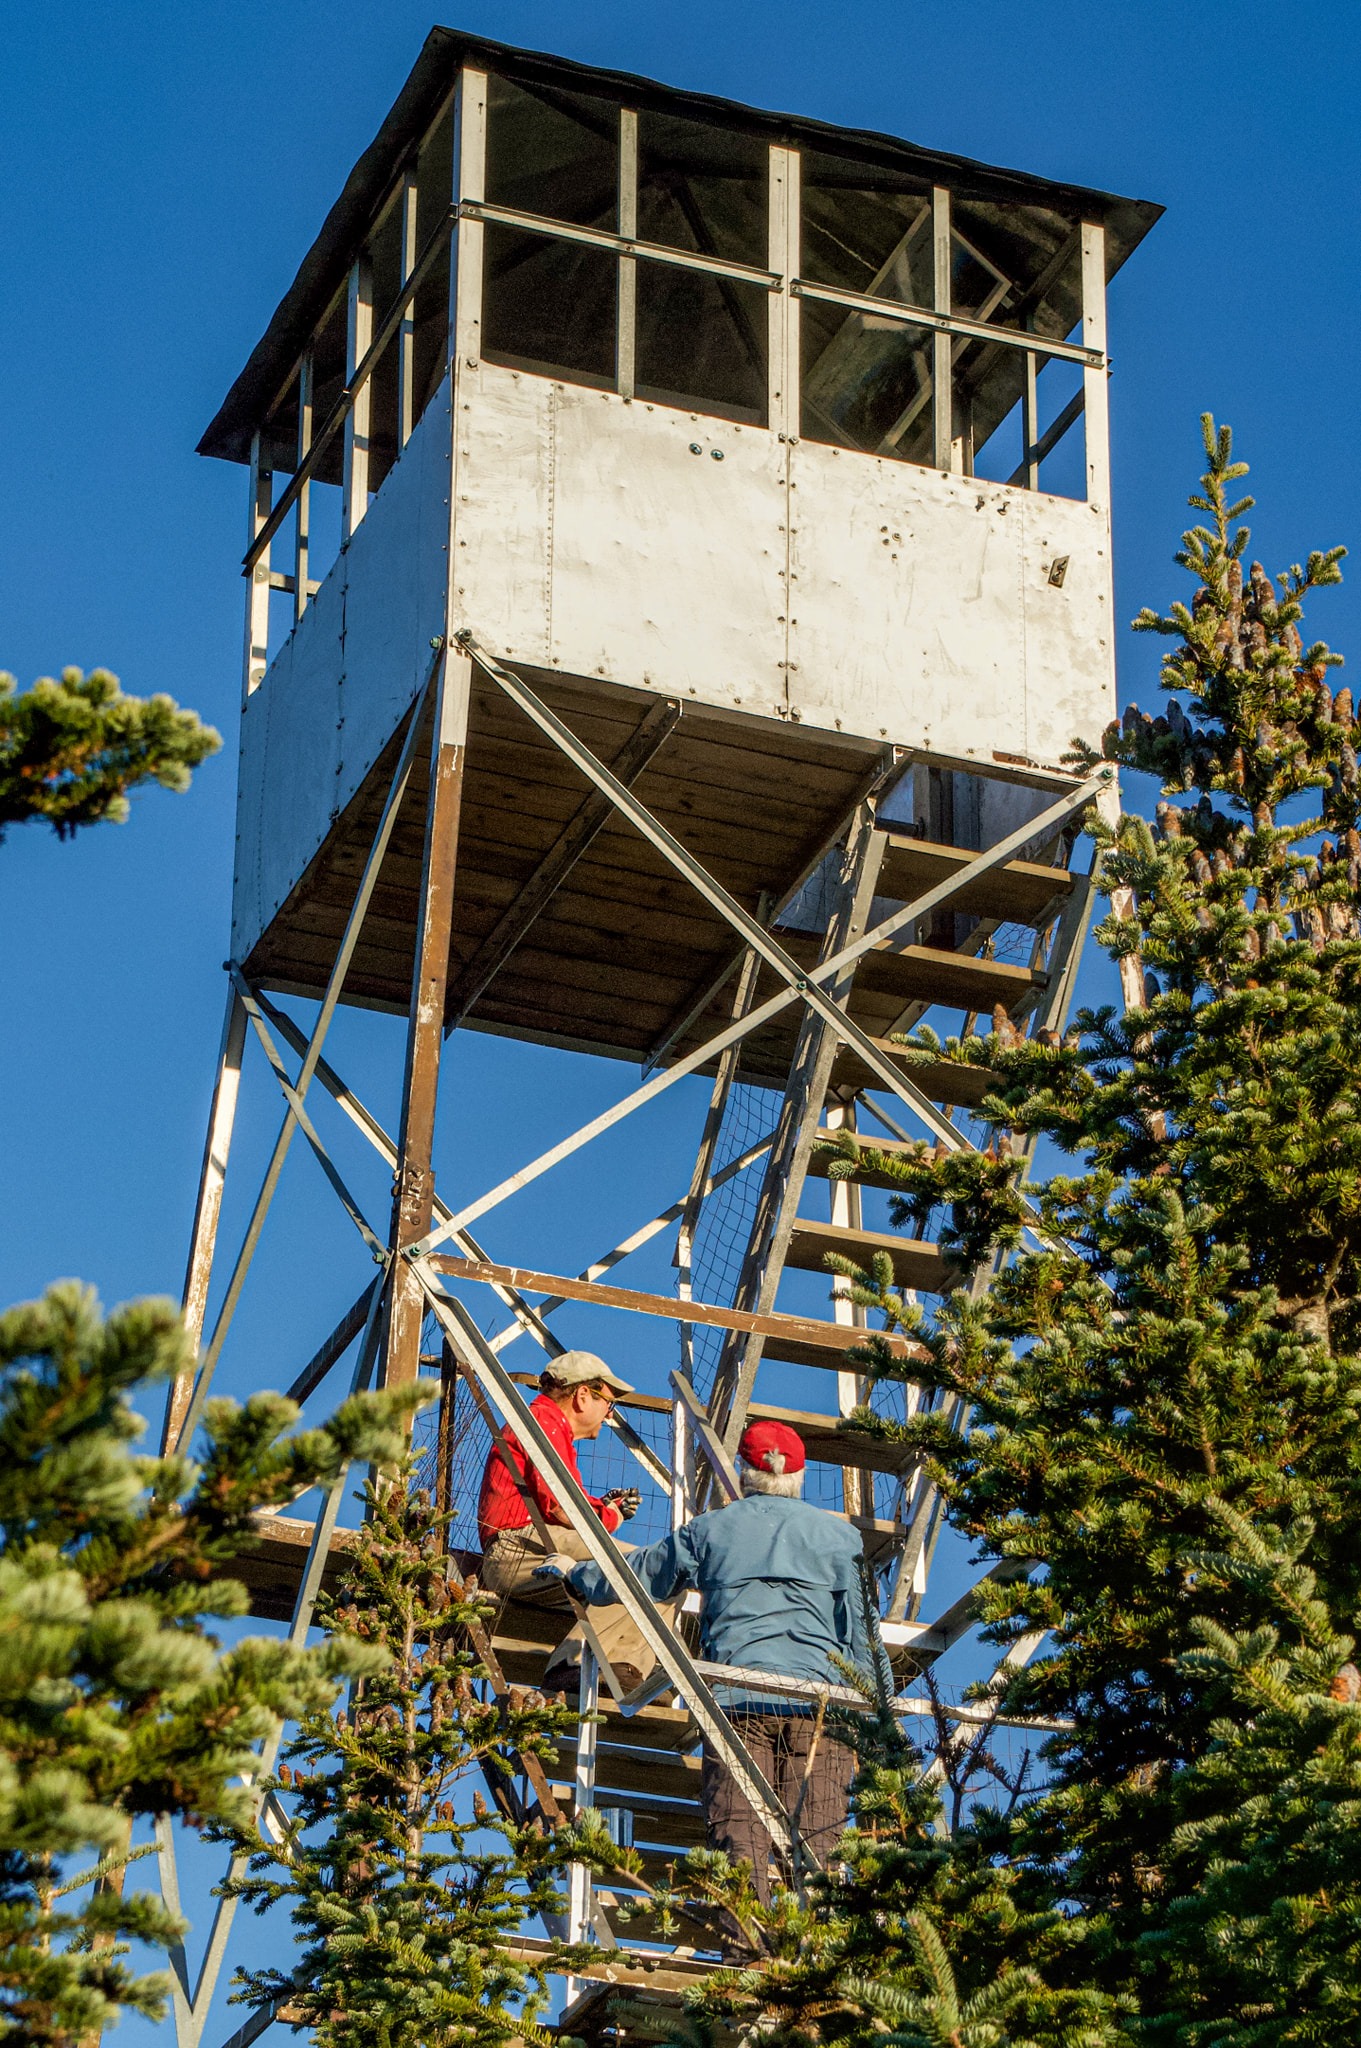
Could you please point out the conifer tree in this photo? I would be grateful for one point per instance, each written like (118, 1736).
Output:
(117, 1702)
(404, 1889)
(73, 746)
(1162, 1395)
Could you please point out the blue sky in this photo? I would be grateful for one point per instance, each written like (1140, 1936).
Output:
(166, 169)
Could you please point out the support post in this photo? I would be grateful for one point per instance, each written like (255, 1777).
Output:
(256, 657)
(626, 320)
(208, 1210)
(413, 1205)
(1030, 423)
(358, 336)
(846, 1207)
(1095, 402)
(301, 571)
(942, 345)
(783, 305)
(406, 332)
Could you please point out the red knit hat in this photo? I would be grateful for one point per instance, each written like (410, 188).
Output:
(772, 1447)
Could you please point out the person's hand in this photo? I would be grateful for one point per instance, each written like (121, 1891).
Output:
(625, 1500)
(555, 1566)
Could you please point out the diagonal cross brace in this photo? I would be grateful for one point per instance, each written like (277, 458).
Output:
(191, 2009)
(799, 982)
(479, 1359)
(334, 988)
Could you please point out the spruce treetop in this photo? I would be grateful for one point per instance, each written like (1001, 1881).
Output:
(117, 1701)
(73, 746)
(1167, 1390)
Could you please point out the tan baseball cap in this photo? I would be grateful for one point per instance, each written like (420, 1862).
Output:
(579, 1368)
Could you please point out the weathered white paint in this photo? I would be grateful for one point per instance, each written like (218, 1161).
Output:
(911, 606)
(921, 610)
(780, 578)
(343, 678)
(619, 539)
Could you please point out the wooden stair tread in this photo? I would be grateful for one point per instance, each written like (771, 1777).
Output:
(661, 1775)
(820, 1163)
(934, 974)
(943, 1080)
(915, 1264)
(1018, 892)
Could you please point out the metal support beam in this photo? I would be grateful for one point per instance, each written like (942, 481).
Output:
(334, 987)
(800, 1115)
(414, 1195)
(708, 1439)
(261, 521)
(633, 757)
(942, 342)
(208, 1208)
(358, 420)
(800, 983)
(479, 1360)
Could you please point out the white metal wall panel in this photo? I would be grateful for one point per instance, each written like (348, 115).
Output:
(335, 691)
(625, 540)
(912, 619)
(1068, 629)
(394, 596)
(290, 755)
(503, 516)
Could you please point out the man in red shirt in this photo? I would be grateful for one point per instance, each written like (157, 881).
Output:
(579, 1391)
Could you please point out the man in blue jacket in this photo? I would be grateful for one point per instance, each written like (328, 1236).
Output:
(781, 1591)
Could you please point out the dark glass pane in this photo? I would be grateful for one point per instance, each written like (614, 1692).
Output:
(701, 342)
(866, 229)
(703, 188)
(434, 190)
(549, 306)
(866, 382)
(1020, 266)
(554, 153)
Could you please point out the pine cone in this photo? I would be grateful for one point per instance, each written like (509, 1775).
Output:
(1347, 1685)
(1342, 707)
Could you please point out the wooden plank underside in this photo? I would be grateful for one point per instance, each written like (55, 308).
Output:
(752, 800)
(914, 1264)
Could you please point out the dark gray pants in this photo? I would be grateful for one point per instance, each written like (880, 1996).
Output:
(778, 1744)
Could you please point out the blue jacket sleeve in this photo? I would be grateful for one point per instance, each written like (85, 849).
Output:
(663, 1568)
(860, 1652)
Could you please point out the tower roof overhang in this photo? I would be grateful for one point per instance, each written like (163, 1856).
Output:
(445, 51)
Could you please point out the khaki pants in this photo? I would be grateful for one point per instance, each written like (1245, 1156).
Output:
(508, 1571)
(778, 1745)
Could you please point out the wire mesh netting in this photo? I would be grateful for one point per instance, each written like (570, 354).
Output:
(452, 1455)
(726, 1215)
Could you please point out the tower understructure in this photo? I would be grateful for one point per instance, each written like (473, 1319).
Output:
(678, 569)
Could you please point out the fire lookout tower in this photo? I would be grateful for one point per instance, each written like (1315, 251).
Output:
(679, 564)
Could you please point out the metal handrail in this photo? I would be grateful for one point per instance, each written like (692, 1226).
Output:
(949, 323)
(359, 377)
